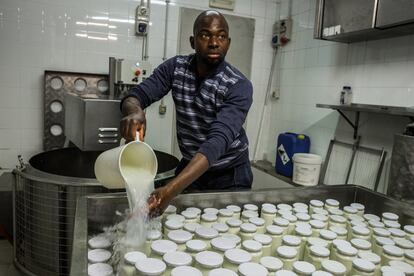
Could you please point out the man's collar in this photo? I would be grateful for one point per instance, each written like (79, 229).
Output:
(193, 66)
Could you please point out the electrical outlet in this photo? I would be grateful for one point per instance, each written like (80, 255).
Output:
(282, 32)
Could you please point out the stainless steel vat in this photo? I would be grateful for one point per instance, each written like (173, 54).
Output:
(96, 211)
(45, 192)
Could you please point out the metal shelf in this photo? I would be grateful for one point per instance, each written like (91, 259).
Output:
(369, 108)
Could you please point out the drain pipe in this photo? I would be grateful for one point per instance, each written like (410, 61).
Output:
(162, 109)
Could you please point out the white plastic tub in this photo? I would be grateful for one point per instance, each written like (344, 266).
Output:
(306, 169)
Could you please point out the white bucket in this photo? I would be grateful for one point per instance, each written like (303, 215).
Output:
(306, 169)
(109, 164)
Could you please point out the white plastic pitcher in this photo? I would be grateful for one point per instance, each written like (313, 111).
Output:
(109, 164)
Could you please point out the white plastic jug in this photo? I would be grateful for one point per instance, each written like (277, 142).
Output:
(110, 165)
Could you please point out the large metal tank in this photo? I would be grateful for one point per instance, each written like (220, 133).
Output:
(44, 202)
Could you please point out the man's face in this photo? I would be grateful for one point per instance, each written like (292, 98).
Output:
(211, 40)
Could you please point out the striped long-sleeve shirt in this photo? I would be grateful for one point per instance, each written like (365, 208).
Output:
(210, 112)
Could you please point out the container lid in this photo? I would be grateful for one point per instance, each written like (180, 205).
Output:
(188, 214)
(317, 241)
(389, 216)
(320, 211)
(252, 269)
(250, 207)
(99, 242)
(191, 226)
(300, 205)
(397, 232)
(319, 251)
(333, 267)
(196, 245)
(210, 210)
(286, 251)
(179, 236)
(409, 229)
(357, 223)
(384, 241)
(209, 217)
(303, 216)
(358, 206)
(381, 232)
(209, 259)
(303, 267)
(220, 227)
(391, 224)
(263, 239)
(284, 206)
(252, 245)
(280, 222)
(291, 240)
(174, 224)
(234, 237)
(321, 273)
(206, 232)
(327, 234)
(332, 202)
(234, 222)
(376, 224)
(223, 244)
(221, 272)
(317, 224)
(339, 242)
(153, 235)
(303, 231)
(360, 230)
(335, 211)
(338, 219)
(284, 272)
(257, 221)
(271, 263)
(320, 217)
(237, 256)
(194, 209)
(298, 210)
(283, 212)
(409, 254)
(371, 217)
(171, 209)
(177, 258)
(369, 256)
(402, 266)
(248, 227)
(363, 265)
(163, 246)
(99, 255)
(350, 210)
(274, 230)
(133, 256)
(267, 204)
(361, 244)
(393, 250)
(269, 208)
(291, 218)
(150, 266)
(100, 269)
(390, 271)
(178, 217)
(249, 214)
(307, 158)
(225, 212)
(234, 208)
(404, 243)
(347, 250)
(341, 231)
(185, 271)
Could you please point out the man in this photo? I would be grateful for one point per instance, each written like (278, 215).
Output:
(212, 99)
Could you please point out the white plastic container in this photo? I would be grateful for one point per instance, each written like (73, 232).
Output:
(341, 232)
(369, 217)
(195, 246)
(247, 231)
(339, 221)
(260, 224)
(255, 249)
(335, 244)
(150, 266)
(235, 257)
(380, 242)
(315, 204)
(208, 219)
(221, 272)
(221, 245)
(362, 267)
(222, 228)
(409, 229)
(208, 260)
(246, 215)
(268, 213)
(316, 255)
(403, 266)
(236, 210)
(389, 271)
(288, 255)
(331, 203)
(251, 207)
(334, 267)
(303, 268)
(252, 269)
(390, 216)
(160, 247)
(186, 271)
(234, 225)
(233, 237)
(379, 232)
(180, 237)
(175, 259)
(360, 207)
(391, 253)
(206, 234)
(191, 227)
(345, 255)
(266, 242)
(276, 233)
(152, 235)
(272, 264)
(306, 169)
(224, 215)
(195, 210)
(360, 232)
(100, 269)
(409, 257)
(361, 245)
(304, 233)
(292, 222)
(317, 226)
(404, 244)
(171, 209)
(172, 224)
(210, 210)
(328, 236)
(190, 216)
(397, 233)
(98, 256)
(283, 223)
(292, 241)
(373, 258)
(314, 241)
(130, 258)
(392, 224)
(99, 242)
(284, 272)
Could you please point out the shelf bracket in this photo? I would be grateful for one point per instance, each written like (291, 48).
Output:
(354, 125)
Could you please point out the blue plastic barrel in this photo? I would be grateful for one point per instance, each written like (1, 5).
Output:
(288, 144)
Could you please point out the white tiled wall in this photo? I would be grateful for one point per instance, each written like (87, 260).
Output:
(40, 35)
(313, 71)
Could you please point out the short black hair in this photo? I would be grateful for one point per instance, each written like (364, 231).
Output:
(208, 13)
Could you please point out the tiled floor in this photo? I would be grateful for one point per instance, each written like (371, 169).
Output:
(6, 260)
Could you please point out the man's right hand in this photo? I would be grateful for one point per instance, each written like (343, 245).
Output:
(133, 121)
